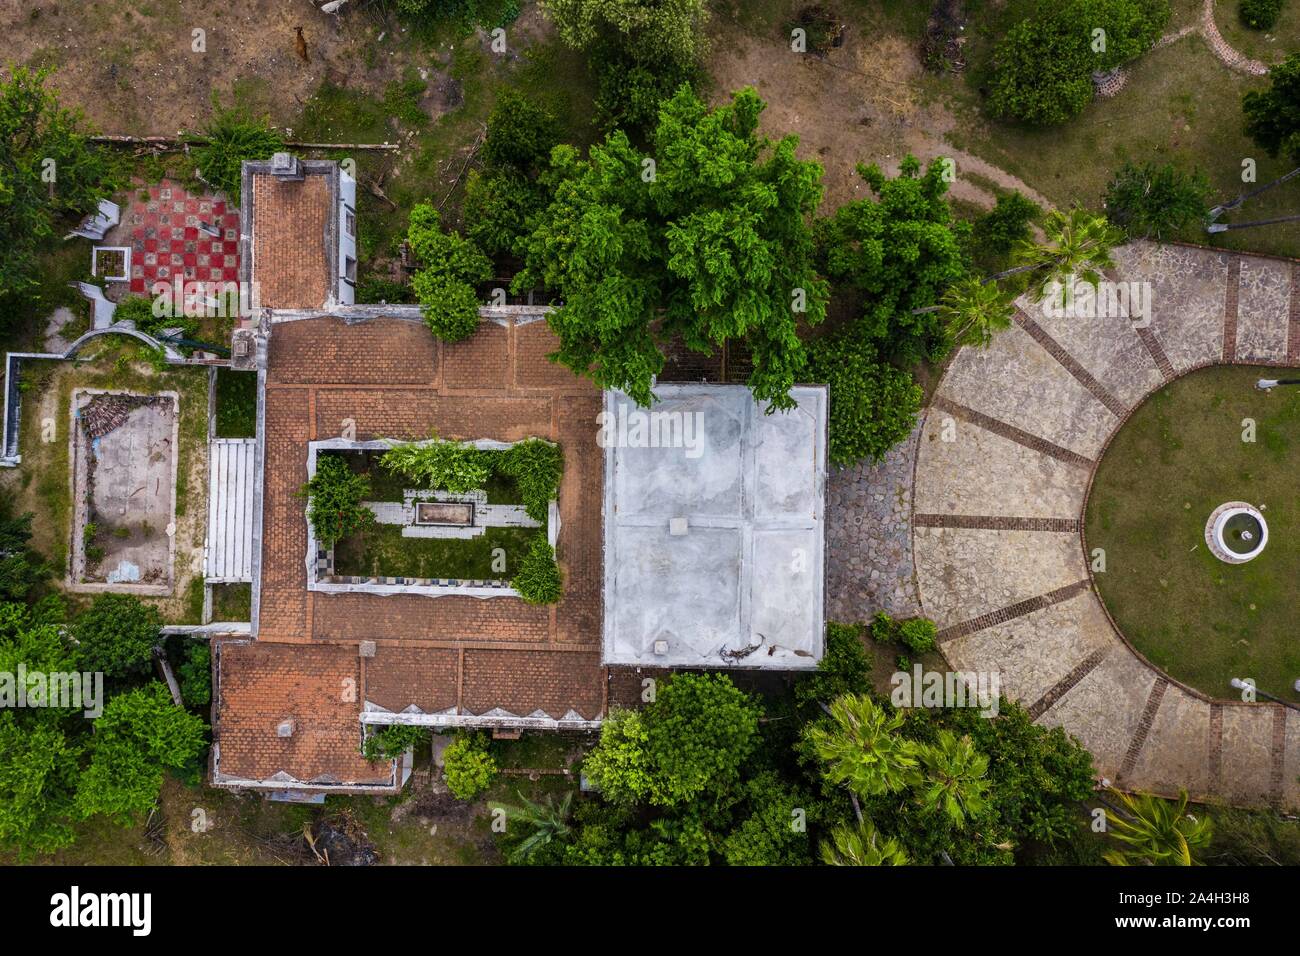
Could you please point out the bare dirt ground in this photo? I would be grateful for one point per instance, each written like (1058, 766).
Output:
(861, 103)
(130, 64)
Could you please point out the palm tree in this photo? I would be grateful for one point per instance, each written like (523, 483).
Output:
(972, 310)
(548, 823)
(861, 749)
(1078, 248)
(1156, 832)
(954, 777)
(862, 846)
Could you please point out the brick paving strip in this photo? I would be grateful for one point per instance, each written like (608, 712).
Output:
(1157, 352)
(1216, 746)
(1293, 317)
(992, 523)
(1067, 361)
(1067, 683)
(1012, 433)
(1230, 310)
(1278, 752)
(1143, 729)
(1012, 611)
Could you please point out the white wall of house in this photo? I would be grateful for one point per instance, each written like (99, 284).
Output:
(347, 258)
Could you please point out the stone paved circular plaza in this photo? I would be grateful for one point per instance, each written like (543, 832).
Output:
(1002, 466)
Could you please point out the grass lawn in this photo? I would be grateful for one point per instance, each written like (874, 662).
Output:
(383, 551)
(232, 602)
(1180, 456)
(236, 404)
(1267, 46)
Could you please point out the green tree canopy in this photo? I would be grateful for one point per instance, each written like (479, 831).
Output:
(897, 253)
(49, 174)
(336, 494)
(707, 238)
(690, 741)
(1156, 201)
(140, 734)
(38, 781)
(1042, 67)
(450, 267)
(117, 635)
(1273, 115)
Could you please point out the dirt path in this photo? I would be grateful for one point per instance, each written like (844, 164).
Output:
(132, 68)
(859, 104)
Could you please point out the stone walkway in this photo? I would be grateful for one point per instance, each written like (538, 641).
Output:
(869, 538)
(1115, 81)
(1004, 459)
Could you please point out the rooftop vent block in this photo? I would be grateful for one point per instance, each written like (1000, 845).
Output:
(366, 649)
(284, 728)
(661, 648)
(677, 527)
(285, 166)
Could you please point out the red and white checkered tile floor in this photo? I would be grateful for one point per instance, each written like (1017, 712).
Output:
(166, 237)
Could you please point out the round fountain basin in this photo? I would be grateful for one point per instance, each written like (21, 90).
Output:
(1236, 532)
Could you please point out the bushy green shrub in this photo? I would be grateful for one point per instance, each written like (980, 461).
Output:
(452, 466)
(520, 134)
(450, 267)
(393, 741)
(845, 668)
(231, 137)
(469, 766)
(997, 231)
(538, 579)
(919, 634)
(873, 405)
(117, 635)
(336, 494)
(196, 676)
(1043, 66)
(374, 289)
(139, 309)
(536, 466)
(1260, 14)
(1156, 201)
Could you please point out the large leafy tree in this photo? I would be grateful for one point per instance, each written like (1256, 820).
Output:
(38, 780)
(897, 253)
(707, 238)
(690, 742)
(1156, 201)
(140, 734)
(21, 568)
(641, 51)
(873, 405)
(1042, 67)
(1273, 114)
(450, 267)
(336, 494)
(49, 172)
(117, 635)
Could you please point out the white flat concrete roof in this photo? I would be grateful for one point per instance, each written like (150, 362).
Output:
(714, 532)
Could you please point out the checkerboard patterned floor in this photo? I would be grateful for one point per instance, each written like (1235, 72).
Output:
(167, 236)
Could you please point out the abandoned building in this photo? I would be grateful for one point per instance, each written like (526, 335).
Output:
(688, 535)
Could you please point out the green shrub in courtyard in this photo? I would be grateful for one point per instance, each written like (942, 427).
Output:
(536, 466)
(117, 635)
(538, 579)
(469, 766)
(393, 741)
(1156, 202)
(452, 466)
(336, 495)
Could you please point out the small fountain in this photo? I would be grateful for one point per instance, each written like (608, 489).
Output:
(1236, 532)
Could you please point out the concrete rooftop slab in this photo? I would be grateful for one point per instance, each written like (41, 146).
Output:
(714, 529)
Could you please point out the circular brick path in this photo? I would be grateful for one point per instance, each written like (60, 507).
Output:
(1004, 460)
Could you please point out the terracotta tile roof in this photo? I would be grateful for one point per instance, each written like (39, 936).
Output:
(291, 261)
(392, 379)
(260, 685)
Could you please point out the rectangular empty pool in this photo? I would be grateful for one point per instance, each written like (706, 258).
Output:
(458, 513)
